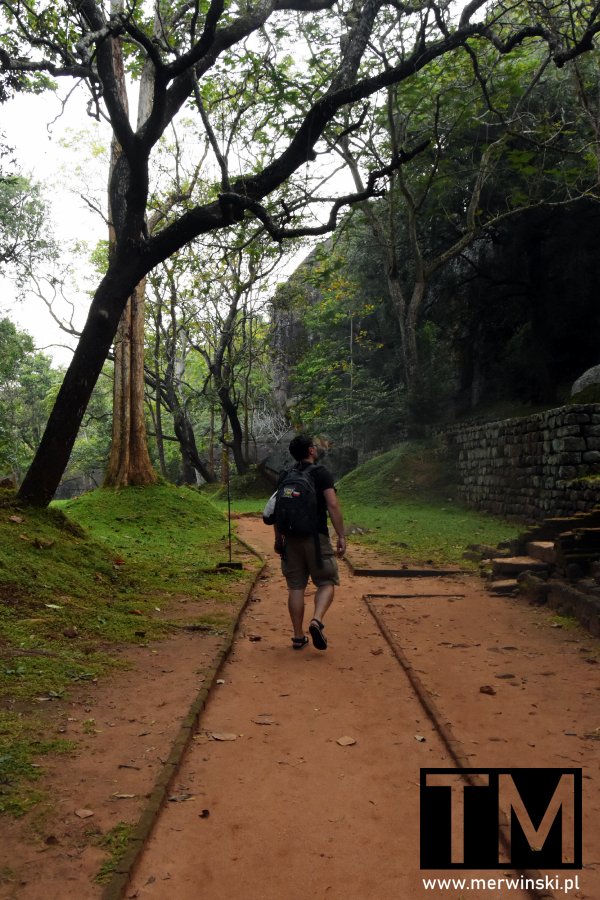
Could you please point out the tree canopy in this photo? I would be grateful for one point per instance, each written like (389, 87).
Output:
(24, 234)
(266, 110)
(26, 383)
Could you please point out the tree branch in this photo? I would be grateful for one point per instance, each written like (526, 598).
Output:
(279, 233)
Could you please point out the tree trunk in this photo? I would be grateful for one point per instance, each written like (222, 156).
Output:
(52, 456)
(187, 444)
(160, 443)
(119, 449)
(396, 295)
(184, 431)
(413, 314)
(129, 461)
(237, 432)
(211, 440)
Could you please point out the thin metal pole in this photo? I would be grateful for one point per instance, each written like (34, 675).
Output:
(228, 507)
(352, 379)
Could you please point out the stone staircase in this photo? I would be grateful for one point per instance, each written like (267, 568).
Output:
(538, 559)
(566, 546)
(556, 563)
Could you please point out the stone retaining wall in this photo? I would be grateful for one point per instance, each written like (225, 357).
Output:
(531, 467)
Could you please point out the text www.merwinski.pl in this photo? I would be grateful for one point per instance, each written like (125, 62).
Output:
(548, 882)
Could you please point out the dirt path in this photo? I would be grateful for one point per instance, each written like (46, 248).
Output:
(124, 727)
(279, 810)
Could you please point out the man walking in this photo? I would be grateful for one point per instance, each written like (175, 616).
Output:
(309, 555)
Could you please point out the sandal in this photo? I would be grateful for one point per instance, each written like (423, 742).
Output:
(299, 642)
(316, 632)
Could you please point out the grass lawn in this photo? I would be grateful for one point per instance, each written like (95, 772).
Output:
(421, 533)
(405, 500)
(86, 576)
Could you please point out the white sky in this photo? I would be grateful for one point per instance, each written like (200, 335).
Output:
(35, 126)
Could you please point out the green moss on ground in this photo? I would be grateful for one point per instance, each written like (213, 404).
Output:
(590, 394)
(404, 501)
(83, 578)
(411, 471)
(116, 843)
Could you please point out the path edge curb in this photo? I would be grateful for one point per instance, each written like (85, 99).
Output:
(125, 868)
(442, 727)
(399, 572)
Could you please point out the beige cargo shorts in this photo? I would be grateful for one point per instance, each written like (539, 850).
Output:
(299, 562)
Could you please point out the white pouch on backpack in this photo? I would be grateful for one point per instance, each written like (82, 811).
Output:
(269, 510)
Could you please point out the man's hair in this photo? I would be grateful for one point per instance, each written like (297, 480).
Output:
(299, 446)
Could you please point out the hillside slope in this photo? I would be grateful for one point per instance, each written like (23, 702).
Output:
(108, 569)
(402, 505)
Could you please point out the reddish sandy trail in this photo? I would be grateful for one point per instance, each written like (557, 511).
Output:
(283, 811)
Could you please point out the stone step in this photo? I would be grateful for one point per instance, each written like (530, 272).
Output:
(542, 550)
(502, 588)
(552, 527)
(514, 565)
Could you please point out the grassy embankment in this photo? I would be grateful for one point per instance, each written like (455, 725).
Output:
(404, 500)
(79, 581)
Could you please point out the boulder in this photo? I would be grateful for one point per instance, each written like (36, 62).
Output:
(275, 457)
(339, 460)
(588, 379)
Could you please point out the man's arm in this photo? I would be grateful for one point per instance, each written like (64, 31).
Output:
(337, 520)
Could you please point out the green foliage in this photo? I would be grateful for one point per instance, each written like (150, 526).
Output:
(209, 349)
(430, 397)
(99, 257)
(89, 457)
(343, 380)
(13, 347)
(24, 237)
(255, 93)
(28, 387)
(546, 155)
(27, 381)
(89, 575)
(404, 237)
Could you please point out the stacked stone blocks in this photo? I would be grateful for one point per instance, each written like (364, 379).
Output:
(532, 467)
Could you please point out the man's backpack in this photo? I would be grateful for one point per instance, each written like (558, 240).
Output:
(296, 508)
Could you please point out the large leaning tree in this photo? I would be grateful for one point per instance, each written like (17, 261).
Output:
(204, 52)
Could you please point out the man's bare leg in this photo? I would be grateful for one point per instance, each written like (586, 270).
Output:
(296, 610)
(323, 600)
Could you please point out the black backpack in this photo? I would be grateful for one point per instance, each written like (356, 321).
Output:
(296, 508)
